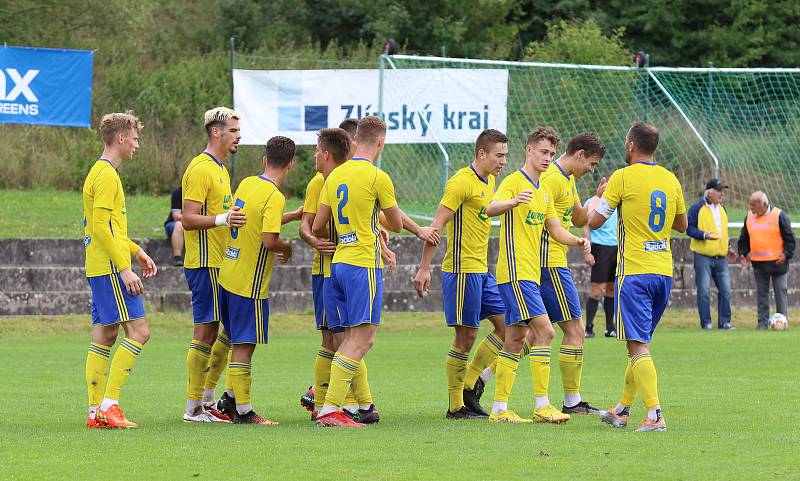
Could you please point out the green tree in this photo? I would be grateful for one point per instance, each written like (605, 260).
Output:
(580, 42)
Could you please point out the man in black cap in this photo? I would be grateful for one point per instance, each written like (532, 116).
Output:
(708, 230)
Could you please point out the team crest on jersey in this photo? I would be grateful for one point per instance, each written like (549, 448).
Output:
(87, 240)
(231, 253)
(534, 219)
(349, 238)
(482, 215)
(656, 246)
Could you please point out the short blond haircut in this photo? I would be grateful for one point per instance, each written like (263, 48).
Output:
(114, 123)
(217, 117)
(370, 128)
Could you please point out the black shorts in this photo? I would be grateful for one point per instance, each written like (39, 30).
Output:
(605, 263)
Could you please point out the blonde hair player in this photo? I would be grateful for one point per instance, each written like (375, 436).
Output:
(116, 289)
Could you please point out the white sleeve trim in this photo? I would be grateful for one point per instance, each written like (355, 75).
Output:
(604, 209)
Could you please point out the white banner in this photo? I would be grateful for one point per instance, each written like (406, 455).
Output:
(419, 105)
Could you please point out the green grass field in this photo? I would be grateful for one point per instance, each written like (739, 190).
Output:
(726, 397)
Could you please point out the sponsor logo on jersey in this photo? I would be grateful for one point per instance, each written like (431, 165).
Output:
(656, 246)
(534, 218)
(349, 238)
(482, 215)
(231, 252)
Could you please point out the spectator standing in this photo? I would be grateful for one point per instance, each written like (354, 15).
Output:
(708, 230)
(174, 228)
(768, 238)
(603, 260)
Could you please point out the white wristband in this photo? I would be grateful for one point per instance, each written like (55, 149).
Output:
(221, 219)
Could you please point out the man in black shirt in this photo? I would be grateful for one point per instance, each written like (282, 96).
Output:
(174, 228)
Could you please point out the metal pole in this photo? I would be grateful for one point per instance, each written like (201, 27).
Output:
(233, 66)
(380, 95)
(710, 109)
(646, 88)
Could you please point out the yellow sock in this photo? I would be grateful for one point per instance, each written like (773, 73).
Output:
(322, 374)
(484, 357)
(360, 386)
(96, 365)
(241, 379)
(228, 383)
(629, 388)
(644, 374)
(506, 373)
(540, 370)
(570, 363)
(342, 371)
(196, 363)
(456, 369)
(217, 361)
(124, 359)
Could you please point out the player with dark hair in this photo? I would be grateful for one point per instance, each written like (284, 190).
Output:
(469, 290)
(246, 270)
(526, 209)
(650, 203)
(559, 293)
(352, 197)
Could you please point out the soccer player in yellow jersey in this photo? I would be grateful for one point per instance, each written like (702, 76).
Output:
(559, 294)
(650, 202)
(333, 149)
(526, 209)
(246, 270)
(207, 213)
(469, 290)
(352, 196)
(116, 289)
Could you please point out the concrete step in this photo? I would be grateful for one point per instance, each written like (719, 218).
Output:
(69, 252)
(290, 277)
(79, 302)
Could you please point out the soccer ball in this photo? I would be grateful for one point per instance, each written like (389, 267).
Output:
(778, 322)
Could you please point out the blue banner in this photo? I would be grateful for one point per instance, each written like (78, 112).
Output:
(45, 86)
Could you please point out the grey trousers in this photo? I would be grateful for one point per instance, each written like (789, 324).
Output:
(762, 293)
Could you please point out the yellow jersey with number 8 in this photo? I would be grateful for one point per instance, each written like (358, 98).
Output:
(648, 197)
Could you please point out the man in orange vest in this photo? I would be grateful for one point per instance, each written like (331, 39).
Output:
(708, 230)
(768, 238)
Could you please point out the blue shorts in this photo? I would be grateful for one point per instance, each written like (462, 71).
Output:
(321, 311)
(332, 318)
(169, 227)
(639, 303)
(111, 302)
(468, 298)
(356, 293)
(203, 284)
(522, 300)
(559, 294)
(245, 319)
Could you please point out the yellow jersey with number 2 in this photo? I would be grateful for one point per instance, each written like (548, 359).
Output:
(356, 192)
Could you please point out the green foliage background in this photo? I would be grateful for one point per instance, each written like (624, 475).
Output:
(169, 60)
